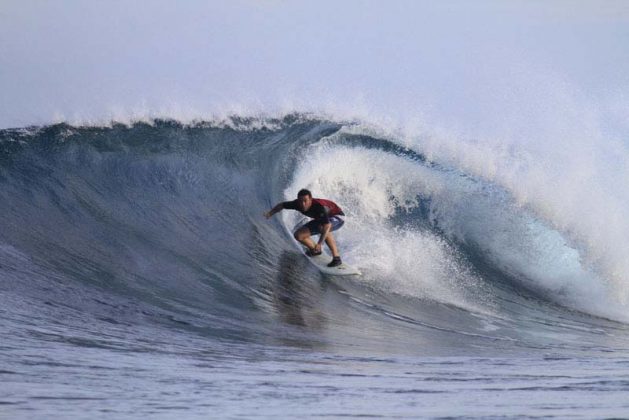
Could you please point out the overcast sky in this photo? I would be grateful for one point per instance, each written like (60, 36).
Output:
(458, 60)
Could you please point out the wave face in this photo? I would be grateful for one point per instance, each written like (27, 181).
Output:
(162, 223)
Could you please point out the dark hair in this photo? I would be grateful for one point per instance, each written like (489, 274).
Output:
(303, 192)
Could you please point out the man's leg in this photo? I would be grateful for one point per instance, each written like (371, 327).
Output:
(303, 236)
(329, 240)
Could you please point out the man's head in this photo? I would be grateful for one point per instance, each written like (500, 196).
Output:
(304, 199)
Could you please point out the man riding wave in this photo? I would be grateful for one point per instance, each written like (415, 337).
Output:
(325, 219)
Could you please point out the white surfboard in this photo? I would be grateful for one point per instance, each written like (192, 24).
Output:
(321, 261)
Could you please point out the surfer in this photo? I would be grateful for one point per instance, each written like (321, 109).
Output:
(325, 219)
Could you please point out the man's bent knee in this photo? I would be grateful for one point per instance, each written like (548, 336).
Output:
(301, 234)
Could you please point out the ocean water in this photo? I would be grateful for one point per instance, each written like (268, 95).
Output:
(139, 277)
(479, 149)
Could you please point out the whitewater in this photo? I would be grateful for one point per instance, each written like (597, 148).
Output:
(479, 152)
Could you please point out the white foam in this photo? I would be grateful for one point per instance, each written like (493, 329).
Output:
(372, 185)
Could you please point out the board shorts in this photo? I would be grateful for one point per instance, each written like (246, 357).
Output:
(316, 226)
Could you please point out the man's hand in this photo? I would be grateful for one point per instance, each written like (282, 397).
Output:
(317, 248)
(274, 210)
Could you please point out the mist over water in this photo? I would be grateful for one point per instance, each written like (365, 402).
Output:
(483, 67)
(479, 151)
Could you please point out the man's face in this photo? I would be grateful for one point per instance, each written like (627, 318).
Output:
(305, 201)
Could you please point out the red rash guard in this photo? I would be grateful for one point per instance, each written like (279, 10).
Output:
(320, 210)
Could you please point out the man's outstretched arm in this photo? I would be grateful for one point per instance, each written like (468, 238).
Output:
(278, 207)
